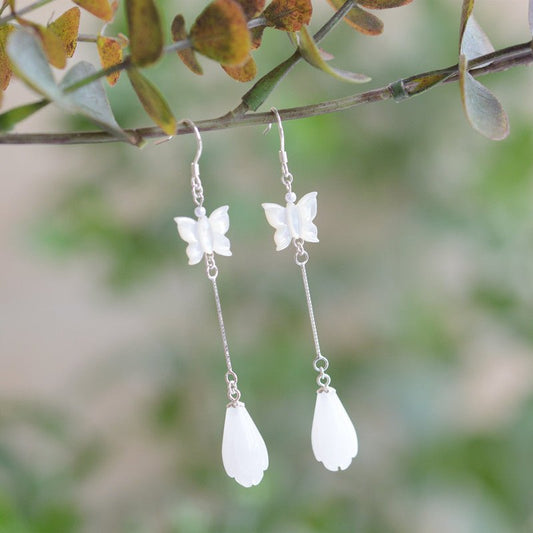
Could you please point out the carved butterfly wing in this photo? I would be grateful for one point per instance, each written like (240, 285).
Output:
(307, 209)
(188, 232)
(277, 218)
(219, 222)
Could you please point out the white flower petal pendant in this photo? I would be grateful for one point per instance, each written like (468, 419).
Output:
(244, 453)
(333, 435)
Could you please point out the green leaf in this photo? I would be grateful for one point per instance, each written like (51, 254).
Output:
(91, 100)
(153, 102)
(475, 42)
(288, 15)
(221, 33)
(51, 43)
(145, 31)
(99, 8)
(360, 20)
(30, 63)
(312, 54)
(482, 108)
(66, 28)
(10, 118)
(179, 33)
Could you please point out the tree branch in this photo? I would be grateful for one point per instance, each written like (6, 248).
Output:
(501, 60)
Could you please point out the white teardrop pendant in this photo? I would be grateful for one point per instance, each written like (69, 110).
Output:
(333, 435)
(244, 453)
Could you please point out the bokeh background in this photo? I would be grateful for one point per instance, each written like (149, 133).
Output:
(112, 394)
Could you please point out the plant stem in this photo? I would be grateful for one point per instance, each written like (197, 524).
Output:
(23, 11)
(402, 89)
(262, 89)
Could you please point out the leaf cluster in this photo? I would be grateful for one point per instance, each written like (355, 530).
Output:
(226, 31)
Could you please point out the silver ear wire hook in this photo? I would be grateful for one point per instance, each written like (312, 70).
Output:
(286, 176)
(197, 189)
(280, 128)
(198, 137)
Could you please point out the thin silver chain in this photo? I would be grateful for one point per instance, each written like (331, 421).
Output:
(234, 395)
(320, 363)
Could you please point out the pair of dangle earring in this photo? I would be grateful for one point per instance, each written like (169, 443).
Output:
(333, 436)
(244, 453)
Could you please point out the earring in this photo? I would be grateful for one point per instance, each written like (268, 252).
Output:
(244, 453)
(333, 436)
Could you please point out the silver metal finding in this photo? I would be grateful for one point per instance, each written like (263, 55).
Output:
(301, 257)
(196, 183)
(320, 363)
(286, 176)
(231, 379)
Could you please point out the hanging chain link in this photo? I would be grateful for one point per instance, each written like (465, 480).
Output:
(320, 363)
(196, 185)
(234, 395)
(301, 257)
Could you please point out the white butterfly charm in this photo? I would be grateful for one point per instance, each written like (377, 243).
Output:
(205, 235)
(295, 221)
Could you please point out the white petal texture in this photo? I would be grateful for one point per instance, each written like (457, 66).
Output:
(333, 436)
(244, 453)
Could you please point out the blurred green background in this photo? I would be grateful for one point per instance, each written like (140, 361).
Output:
(112, 394)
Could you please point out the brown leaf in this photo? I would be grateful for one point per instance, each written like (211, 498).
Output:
(145, 31)
(66, 28)
(245, 72)
(179, 33)
(361, 20)
(383, 4)
(288, 15)
(52, 44)
(221, 33)
(110, 52)
(153, 102)
(5, 64)
(99, 8)
(257, 36)
(252, 8)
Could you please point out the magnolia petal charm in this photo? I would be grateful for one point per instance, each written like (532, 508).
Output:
(333, 435)
(244, 453)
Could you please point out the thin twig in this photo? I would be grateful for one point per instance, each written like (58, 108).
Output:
(23, 11)
(411, 86)
(257, 95)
